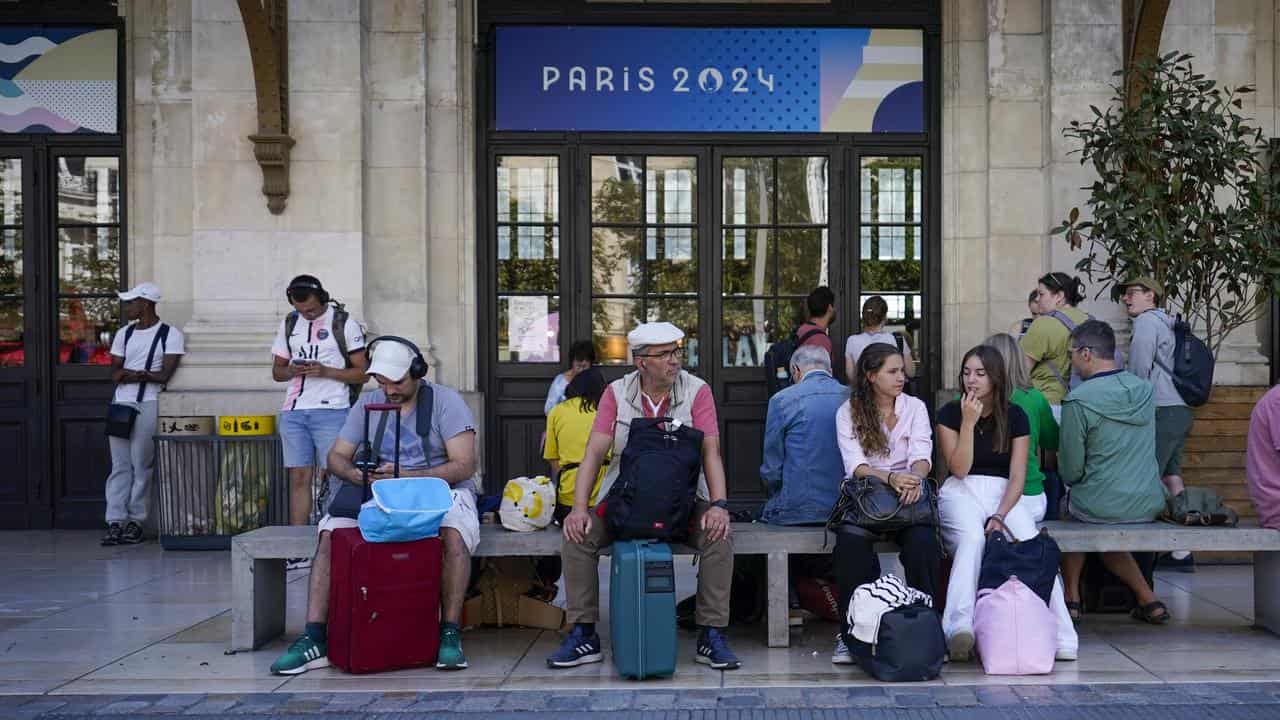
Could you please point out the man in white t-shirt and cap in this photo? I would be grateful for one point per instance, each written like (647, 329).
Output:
(144, 355)
(319, 351)
(658, 387)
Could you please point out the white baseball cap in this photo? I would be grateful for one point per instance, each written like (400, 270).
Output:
(391, 360)
(146, 291)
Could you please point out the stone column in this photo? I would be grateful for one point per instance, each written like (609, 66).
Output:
(451, 205)
(1085, 49)
(242, 256)
(964, 181)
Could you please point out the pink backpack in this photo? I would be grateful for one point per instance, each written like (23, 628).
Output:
(1015, 631)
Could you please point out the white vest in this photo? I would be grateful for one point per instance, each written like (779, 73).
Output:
(626, 392)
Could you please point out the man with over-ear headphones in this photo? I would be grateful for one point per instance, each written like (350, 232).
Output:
(437, 439)
(319, 351)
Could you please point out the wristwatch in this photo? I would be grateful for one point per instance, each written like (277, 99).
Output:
(722, 504)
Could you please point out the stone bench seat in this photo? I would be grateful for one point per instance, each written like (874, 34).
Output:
(258, 557)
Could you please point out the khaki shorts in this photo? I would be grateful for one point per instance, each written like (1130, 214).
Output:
(462, 517)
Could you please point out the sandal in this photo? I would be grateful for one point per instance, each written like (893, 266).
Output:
(1154, 612)
(1075, 610)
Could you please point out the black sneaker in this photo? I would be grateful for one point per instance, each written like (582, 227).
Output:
(113, 535)
(132, 534)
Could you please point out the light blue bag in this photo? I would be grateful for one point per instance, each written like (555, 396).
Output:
(405, 509)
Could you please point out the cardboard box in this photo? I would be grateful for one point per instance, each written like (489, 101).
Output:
(534, 613)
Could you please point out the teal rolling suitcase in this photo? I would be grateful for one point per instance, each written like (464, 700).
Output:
(642, 609)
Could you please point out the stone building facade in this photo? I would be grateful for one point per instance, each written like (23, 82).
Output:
(388, 101)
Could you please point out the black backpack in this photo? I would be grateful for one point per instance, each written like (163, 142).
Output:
(909, 646)
(339, 330)
(1192, 371)
(777, 360)
(657, 481)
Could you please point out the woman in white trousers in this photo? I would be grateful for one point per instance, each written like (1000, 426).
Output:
(985, 440)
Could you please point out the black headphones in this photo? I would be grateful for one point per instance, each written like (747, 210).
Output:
(418, 368)
(308, 283)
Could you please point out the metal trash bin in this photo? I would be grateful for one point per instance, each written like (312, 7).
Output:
(213, 487)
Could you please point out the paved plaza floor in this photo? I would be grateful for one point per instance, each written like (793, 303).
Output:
(84, 624)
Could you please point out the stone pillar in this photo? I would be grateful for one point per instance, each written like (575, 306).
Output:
(964, 180)
(1017, 180)
(395, 139)
(451, 205)
(1085, 49)
(242, 256)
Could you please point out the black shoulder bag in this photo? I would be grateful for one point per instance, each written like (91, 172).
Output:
(121, 416)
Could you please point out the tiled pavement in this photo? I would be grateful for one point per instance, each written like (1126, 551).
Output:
(115, 626)
(1166, 702)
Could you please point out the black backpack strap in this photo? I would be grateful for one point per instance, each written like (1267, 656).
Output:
(290, 322)
(898, 340)
(340, 316)
(800, 339)
(426, 405)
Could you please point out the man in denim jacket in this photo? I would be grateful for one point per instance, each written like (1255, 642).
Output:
(802, 468)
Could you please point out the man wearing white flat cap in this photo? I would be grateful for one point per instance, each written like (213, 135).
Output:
(658, 387)
(144, 355)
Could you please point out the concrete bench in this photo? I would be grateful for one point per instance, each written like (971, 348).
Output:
(258, 563)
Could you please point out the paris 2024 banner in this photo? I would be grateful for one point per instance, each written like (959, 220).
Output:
(664, 79)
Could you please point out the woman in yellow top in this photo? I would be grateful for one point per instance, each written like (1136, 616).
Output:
(568, 429)
(1048, 339)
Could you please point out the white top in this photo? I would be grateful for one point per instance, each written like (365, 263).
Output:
(313, 340)
(854, 346)
(135, 358)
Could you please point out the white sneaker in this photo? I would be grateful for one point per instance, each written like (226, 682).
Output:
(841, 655)
(960, 647)
(1066, 654)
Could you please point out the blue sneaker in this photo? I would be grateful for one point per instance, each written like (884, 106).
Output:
(578, 648)
(713, 650)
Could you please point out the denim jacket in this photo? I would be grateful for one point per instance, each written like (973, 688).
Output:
(802, 467)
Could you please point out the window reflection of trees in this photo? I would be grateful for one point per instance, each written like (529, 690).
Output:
(774, 248)
(643, 249)
(528, 252)
(88, 256)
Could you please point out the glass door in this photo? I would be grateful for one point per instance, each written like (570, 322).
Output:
(890, 243)
(776, 234)
(87, 256)
(23, 495)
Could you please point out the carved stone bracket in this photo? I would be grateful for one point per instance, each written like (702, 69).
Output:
(1143, 22)
(266, 26)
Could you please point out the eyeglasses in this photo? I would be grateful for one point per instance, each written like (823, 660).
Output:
(1075, 350)
(672, 354)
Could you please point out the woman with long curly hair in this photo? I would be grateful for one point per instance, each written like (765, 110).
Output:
(985, 439)
(884, 435)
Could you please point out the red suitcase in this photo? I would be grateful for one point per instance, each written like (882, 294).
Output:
(384, 603)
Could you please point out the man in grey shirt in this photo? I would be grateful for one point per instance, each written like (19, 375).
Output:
(1151, 358)
(447, 450)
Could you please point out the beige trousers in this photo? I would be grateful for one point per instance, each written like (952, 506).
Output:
(582, 577)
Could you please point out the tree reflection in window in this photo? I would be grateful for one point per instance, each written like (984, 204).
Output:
(644, 249)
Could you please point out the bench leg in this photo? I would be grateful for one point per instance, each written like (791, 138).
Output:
(779, 609)
(1266, 591)
(257, 600)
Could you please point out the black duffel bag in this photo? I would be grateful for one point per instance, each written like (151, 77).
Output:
(909, 647)
(653, 496)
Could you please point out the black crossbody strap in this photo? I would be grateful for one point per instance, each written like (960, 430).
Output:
(161, 332)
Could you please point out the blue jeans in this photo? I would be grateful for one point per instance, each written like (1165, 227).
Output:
(307, 435)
